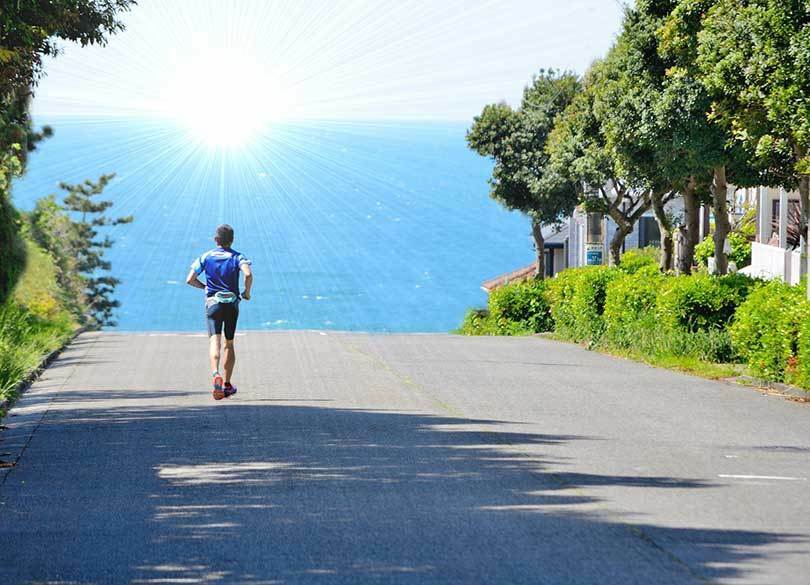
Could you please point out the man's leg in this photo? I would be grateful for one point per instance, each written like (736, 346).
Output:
(229, 328)
(213, 351)
(230, 360)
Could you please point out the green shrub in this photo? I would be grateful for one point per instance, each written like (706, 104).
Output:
(24, 339)
(521, 307)
(637, 258)
(766, 330)
(740, 252)
(477, 322)
(578, 301)
(630, 298)
(802, 377)
(701, 302)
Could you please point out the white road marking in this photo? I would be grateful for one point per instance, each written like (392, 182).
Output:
(784, 478)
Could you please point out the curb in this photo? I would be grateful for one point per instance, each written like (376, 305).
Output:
(25, 383)
(770, 387)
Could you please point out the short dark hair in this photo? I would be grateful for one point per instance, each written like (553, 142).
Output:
(224, 235)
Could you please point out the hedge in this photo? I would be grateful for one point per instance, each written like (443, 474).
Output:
(629, 299)
(578, 301)
(701, 302)
(766, 332)
(524, 305)
(515, 309)
(652, 315)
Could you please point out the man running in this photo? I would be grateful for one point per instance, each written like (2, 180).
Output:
(222, 266)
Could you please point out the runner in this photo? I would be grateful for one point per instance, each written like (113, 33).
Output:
(222, 266)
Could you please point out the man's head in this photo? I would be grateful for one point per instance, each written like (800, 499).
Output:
(224, 235)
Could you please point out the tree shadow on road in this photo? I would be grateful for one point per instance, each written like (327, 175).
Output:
(241, 492)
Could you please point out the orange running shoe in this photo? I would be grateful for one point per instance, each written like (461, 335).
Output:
(219, 392)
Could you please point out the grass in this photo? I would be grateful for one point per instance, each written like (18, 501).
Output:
(33, 322)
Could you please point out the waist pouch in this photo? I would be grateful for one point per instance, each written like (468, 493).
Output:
(225, 297)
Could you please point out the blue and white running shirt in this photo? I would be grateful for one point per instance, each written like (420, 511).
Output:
(221, 267)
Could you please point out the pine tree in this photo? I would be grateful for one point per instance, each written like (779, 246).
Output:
(90, 247)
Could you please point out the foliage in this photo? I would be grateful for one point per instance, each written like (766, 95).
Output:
(33, 321)
(515, 139)
(766, 329)
(802, 374)
(636, 259)
(630, 298)
(739, 241)
(521, 307)
(578, 301)
(579, 152)
(29, 31)
(477, 322)
(740, 252)
(755, 57)
(76, 245)
(645, 339)
(702, 302)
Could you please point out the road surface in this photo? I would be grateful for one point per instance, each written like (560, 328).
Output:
(351, 458)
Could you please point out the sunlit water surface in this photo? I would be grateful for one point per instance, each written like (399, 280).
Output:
(350, 226)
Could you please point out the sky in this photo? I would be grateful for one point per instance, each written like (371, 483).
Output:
(218, 61)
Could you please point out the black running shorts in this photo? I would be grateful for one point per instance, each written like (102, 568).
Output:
(221, 315)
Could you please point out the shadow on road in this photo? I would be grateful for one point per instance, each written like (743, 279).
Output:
(266, 493)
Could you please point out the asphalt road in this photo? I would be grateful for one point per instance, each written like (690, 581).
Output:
(397, 459)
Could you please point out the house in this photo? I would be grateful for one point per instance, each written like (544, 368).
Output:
(776, 253)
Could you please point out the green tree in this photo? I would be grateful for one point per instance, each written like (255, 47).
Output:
(29, 32)
(89, 248)
(708, 142)
(516, 139)
(578, 151)
(754, 56)
(653, 129)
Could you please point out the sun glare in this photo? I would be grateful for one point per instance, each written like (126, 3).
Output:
(224, 97)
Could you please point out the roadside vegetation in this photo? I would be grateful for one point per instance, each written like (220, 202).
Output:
(53, 278)
(715, 326)
(692, 97)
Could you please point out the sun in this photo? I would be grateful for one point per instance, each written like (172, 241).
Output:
(224, 98)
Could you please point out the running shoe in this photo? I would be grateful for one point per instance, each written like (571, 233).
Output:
(229, 389)
(218, 392)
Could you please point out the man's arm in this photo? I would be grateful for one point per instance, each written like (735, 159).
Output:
(193, 280)
(245, 268)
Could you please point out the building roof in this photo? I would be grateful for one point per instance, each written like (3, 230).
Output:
(519, 275)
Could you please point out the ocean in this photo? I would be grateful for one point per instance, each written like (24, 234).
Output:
(356, 226)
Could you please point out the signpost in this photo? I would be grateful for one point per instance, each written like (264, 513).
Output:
(594, 242)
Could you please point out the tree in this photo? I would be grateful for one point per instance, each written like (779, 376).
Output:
(754, 56)
(578, 151)
(516, 139)
(707, 143)
(29, 31)
(88, 249)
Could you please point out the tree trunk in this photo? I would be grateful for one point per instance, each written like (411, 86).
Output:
(691, 228)
(804, 198)
(722, 225)
(616, 244)
(665, 228)
(539, 246)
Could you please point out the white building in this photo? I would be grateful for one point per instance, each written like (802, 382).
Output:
(776, 251)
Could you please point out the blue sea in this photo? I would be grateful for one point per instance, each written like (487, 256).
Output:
(360, 226)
